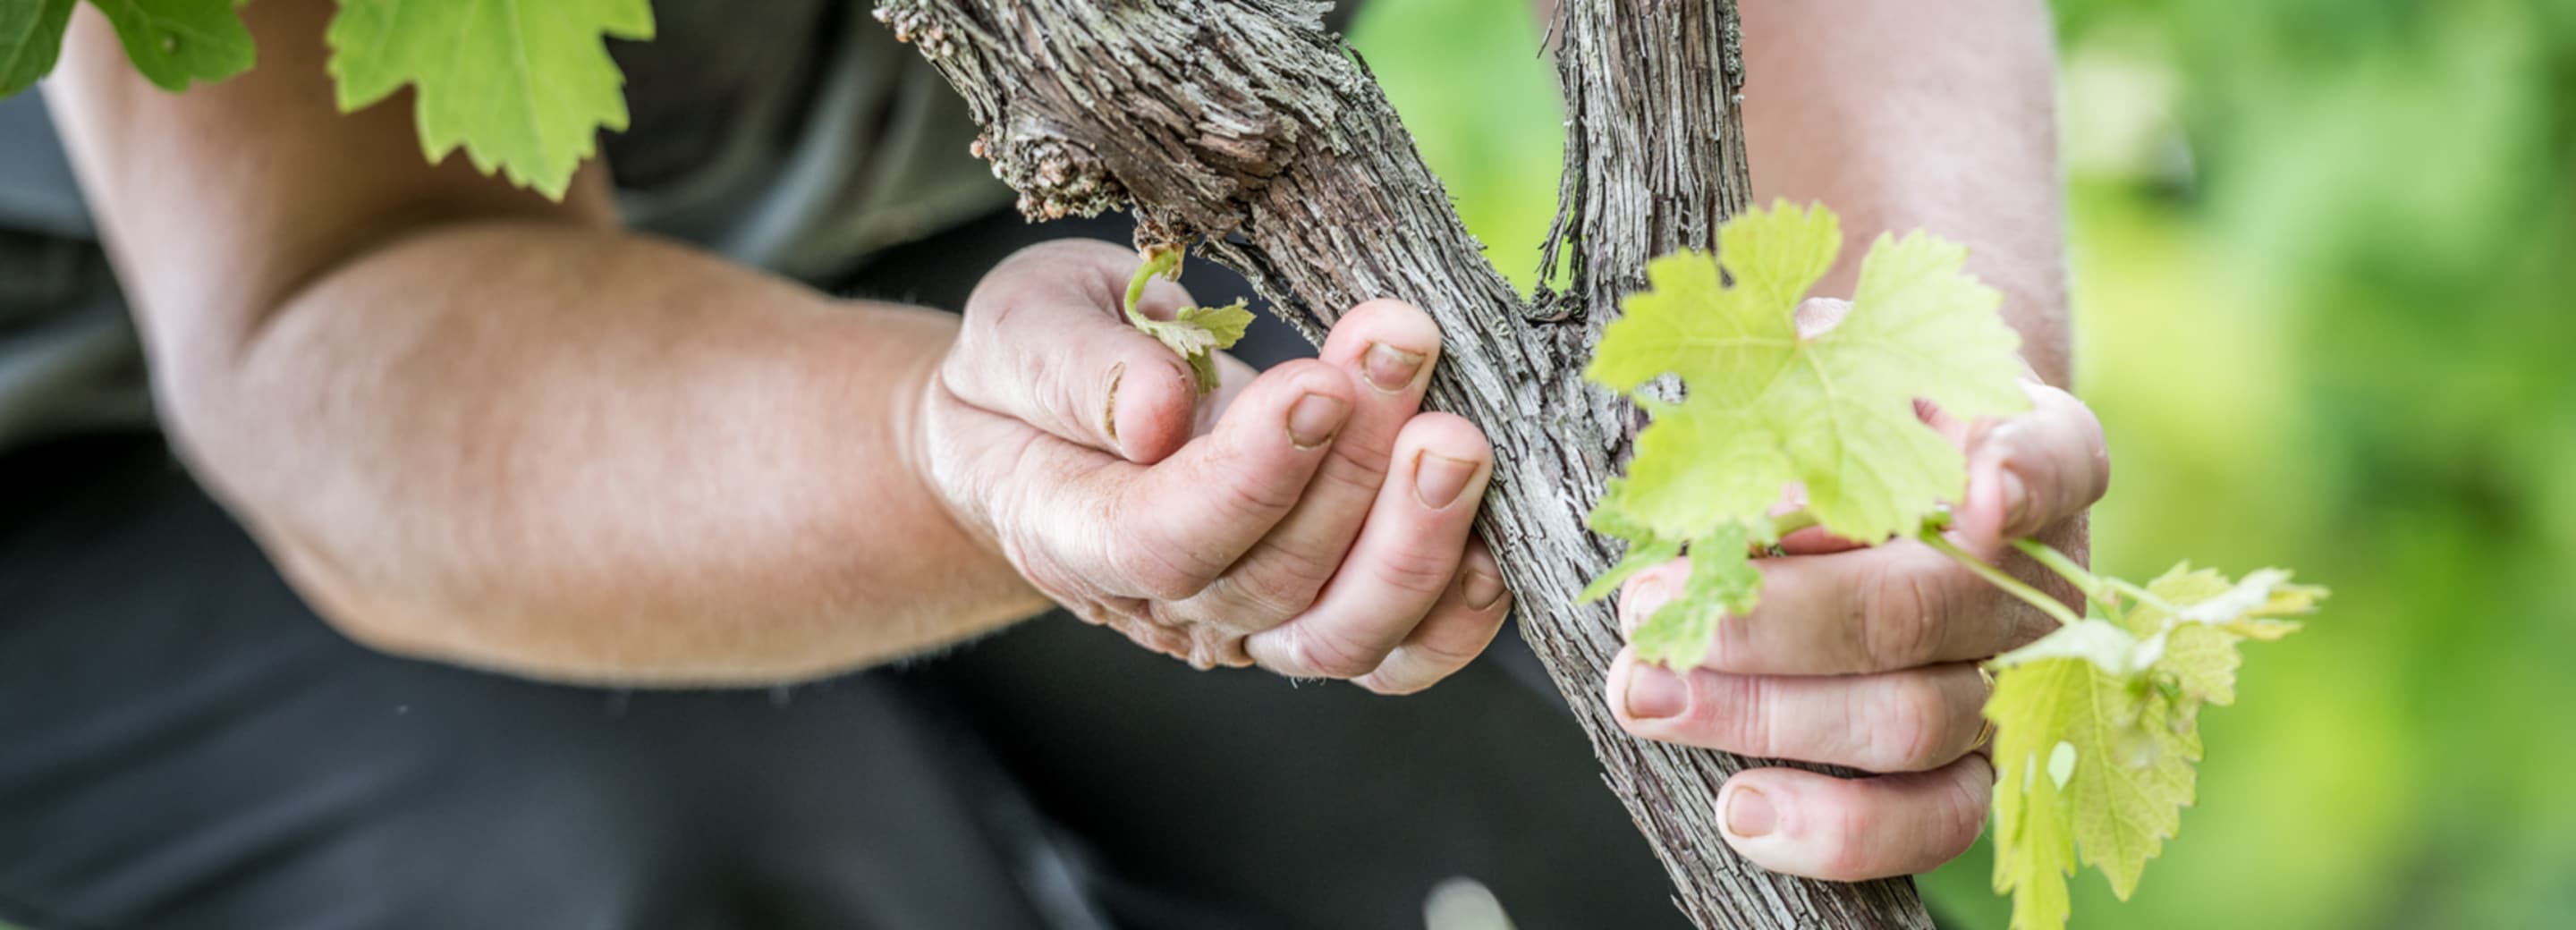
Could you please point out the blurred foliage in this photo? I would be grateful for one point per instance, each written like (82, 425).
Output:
(2325, 265)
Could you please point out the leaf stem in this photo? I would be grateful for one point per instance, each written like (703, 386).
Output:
(1158, 262)
(2143, 596)
(1996, 577)
(2095, 589)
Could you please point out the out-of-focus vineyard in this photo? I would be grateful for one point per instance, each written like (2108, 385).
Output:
(2322, 255)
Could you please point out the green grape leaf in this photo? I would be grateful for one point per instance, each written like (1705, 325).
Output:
(174, 42)
(1768, 406)
(2211, 617)
(1196, 334)
(1722, 581)
(2097, 726)
(523, 86)
(31, 37)
(2127, 773)
(1640, 557)
(2034, 838)
(2107, 645)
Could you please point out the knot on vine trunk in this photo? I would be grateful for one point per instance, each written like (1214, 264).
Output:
(1198, 105)
(1056, 177)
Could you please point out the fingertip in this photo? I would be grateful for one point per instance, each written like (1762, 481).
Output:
(1772, 817)
(1151, 405)
(1854, 829)
(1450, 462)
(1285, 419)
(1615, 691)
(1392, 318)
(1446, 434)
(1649, 589)
(1382, 322)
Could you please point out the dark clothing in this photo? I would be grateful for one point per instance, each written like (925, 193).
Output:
(183, 744)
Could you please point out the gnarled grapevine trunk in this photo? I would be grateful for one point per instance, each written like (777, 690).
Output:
(1245, 124)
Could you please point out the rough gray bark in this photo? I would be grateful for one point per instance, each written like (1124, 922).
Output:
(1245, 126)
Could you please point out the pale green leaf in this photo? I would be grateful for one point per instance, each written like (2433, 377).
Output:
(2250, 608)
(1197, 334)
(2202, 662)
(1227, 323)
(2212, 617)
(1765, 407)
(1640, 557)
(2122, 697)
(2105, 644)
(2119, 799)
(523, 86)
(174, 42)
(2034, 837)
(1722, 582)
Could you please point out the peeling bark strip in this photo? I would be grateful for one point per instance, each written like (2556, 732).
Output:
(1245, 124)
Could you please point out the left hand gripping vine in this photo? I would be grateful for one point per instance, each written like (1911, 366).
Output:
(2096, 722)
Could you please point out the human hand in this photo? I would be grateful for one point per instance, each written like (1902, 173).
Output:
(1866, 658)
(1309, 520)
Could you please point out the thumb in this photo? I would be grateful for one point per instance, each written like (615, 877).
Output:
(1046, 342)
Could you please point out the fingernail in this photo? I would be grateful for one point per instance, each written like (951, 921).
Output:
(1749, 814)
(1647, 594)
(1109, 407)
(1437, 479)
(1314, 420)
(1483, 589)
(1390, 368)
(1654, 693)
(2016, 498)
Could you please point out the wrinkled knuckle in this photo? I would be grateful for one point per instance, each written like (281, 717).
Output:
(1901, 615)
(1361, 471)
(1258, 499)
(1271, 590)
(1417, 570)
(1159, 574)
(1329, 656)
(1744, 715)
(1913, 726)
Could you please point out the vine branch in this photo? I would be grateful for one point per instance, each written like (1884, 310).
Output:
(1247, 127)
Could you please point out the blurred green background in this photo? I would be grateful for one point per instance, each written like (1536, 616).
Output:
(2324, 307)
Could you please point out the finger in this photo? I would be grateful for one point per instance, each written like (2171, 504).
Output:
(1232, 376)
(1459, 628)
(1406, 555)
(1881, 609)
(2034, 469)
(1848, 830)
(1164, 532)
(1045, 341)
(1907, 721)
(1387, 349)
(1814, 540)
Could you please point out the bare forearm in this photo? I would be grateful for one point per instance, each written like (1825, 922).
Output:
(576, 453)
(1903, 114)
